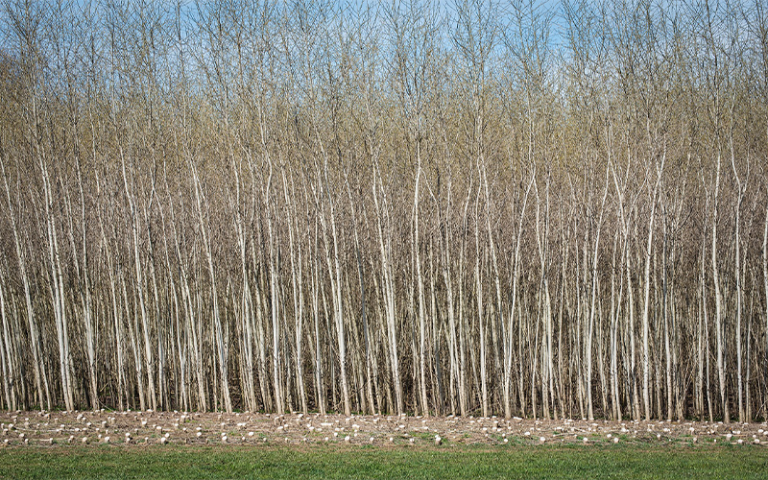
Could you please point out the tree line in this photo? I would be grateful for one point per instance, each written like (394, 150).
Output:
(551, 210)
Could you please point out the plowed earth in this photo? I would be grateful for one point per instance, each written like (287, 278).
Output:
(19, 429)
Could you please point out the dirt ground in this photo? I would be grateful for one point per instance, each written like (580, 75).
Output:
(159, 428)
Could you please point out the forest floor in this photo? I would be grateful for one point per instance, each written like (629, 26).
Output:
(175, 445)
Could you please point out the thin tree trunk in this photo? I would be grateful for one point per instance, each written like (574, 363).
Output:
(765, 289)
(480, 312)
(41, 376)
(218, 333)
(57, 291)
(385, 246)
(737, 281)
(718, 303)
(9, 389)
(513, 295)
(420, 285)
(140, 288)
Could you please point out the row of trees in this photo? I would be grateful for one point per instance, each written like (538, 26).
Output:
(518, 208)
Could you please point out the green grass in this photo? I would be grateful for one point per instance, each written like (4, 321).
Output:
(333, 461)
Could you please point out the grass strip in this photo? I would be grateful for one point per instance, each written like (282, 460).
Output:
(371, 462)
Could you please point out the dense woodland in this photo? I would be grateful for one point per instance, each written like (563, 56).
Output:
(540, 209)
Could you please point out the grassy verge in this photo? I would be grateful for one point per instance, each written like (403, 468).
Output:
(326, 461)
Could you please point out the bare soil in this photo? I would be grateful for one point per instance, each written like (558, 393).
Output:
(159, 428)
